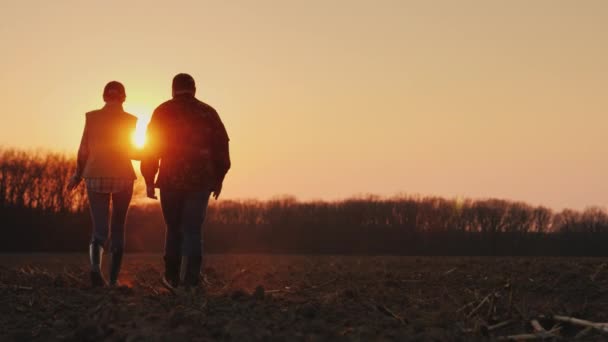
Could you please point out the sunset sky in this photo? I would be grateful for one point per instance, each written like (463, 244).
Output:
(328, 99)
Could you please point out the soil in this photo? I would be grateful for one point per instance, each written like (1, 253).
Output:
(307, 298)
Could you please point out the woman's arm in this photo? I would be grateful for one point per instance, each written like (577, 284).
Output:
(83, 151)
(81, 159)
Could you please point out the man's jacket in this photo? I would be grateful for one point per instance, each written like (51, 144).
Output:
(188, 139)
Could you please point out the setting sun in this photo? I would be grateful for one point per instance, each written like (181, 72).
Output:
(143, 114)
(139, 137)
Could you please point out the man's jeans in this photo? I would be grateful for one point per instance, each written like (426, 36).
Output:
(100, 213)
(184, 213)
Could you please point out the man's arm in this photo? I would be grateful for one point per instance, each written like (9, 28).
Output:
(151, 154)
(221, 154)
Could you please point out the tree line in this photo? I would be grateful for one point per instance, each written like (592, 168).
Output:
(38, 180)
(39, 214)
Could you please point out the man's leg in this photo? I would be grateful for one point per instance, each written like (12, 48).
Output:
(193, 216)
(99, 204)
(120, 207)
(171, 203)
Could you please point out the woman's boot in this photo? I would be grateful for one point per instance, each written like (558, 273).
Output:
(192, 274)
(172, 272)
(115, 264)
(95, 255)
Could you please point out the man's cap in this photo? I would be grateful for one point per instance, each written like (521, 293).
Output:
(114, 91)
(183, 82)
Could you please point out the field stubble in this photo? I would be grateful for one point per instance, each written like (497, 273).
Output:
(279, 297)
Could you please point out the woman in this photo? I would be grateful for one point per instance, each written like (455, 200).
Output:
(104, 161)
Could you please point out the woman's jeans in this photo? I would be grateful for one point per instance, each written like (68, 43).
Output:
(100, 213)
(184, 213)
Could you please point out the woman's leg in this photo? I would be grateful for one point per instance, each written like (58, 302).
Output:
(120, 207)
(99, 204)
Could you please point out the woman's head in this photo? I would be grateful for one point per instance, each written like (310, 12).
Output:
(114, 92)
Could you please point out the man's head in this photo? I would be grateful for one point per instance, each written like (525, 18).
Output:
(114, 92)
(183, 84)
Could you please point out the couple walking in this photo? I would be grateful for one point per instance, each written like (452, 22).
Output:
(187, 145)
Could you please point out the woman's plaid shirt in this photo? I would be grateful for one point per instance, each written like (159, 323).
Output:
(109, 185)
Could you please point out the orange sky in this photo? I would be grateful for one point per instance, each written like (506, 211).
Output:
(327, 99)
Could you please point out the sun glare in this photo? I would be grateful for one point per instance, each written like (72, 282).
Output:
(139, 137)
(143, 114)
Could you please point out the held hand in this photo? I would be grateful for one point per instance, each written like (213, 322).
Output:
(151, 192)
(73, 183)
(217, 191)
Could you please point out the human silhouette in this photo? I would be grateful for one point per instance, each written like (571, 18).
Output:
(104, 161)
(188, 139)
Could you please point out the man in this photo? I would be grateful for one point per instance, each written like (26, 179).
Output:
(189, 140)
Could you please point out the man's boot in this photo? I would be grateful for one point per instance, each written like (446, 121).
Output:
(192, 274)
(172, 271)
(115, 268)
(95, 255)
